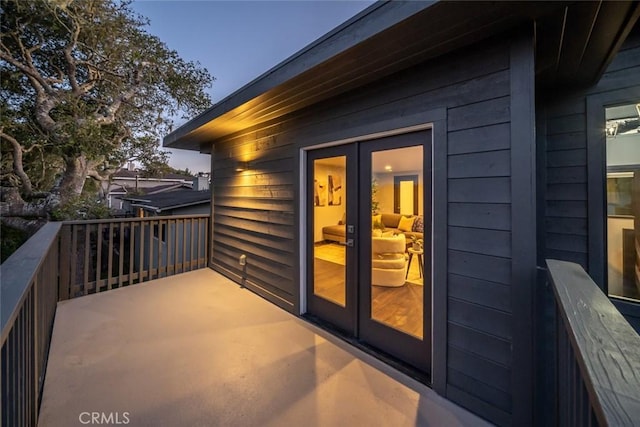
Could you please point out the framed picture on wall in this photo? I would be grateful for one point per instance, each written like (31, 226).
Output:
(319, 193)
(334, 190)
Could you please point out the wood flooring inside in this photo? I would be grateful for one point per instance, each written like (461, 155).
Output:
(401, 307)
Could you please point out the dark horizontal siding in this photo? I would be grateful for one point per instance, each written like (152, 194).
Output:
(254, 211)
(484, 164)
(497, 398)
(479, 256)
(479, 317)
(480, 368)
(564, 195)
(488, 294)
(480, 241)
(480, 190)
(489, 216)
(566, 192)
(479, 406)
(480, 344)
(477, 140)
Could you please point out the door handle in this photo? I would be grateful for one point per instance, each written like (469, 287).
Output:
(349, 243)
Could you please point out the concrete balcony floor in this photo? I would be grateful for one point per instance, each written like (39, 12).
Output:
(197, 350)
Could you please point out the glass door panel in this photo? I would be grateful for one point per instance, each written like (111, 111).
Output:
(397, 255)
(331, 235)
(329, 214)
(395, 247)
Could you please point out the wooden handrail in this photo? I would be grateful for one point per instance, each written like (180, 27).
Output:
(136, 219)
(18, 272)
(29, 294)
(605, 347)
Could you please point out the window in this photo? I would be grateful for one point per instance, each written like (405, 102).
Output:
(623, 200)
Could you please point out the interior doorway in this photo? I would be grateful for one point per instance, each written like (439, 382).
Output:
(405, 194)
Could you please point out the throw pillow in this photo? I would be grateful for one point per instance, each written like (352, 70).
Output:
(418, 225)
(387, 234)
(376, 233)
(406, 223)
(344, 219)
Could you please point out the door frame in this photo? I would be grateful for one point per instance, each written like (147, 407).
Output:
(436, 121)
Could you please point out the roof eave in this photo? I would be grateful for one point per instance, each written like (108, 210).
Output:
(370, 21)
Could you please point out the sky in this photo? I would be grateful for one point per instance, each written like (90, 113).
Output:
(239, 40)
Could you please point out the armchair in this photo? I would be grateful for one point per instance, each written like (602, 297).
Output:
(389, 264)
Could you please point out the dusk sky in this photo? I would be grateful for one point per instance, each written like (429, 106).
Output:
(239, 40)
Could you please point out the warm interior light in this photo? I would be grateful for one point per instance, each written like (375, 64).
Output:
(388, 168)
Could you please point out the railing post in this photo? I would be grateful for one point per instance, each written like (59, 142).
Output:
(65, 263)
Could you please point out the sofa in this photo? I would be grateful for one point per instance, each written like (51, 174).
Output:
(388, 263)
(391, 221)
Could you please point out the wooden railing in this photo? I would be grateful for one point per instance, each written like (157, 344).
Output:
(71, 259)
(105, 254)
(598, 354)
(28, 298)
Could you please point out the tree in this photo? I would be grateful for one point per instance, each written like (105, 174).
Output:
(84, 89)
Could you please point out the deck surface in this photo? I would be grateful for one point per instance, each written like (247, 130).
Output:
(197, 350)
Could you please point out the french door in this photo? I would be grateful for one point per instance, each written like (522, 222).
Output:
(364, 275)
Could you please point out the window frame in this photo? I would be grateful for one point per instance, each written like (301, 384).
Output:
(597, 188)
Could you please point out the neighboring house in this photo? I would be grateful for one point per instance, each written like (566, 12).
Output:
(178, 202)
(128, 181)
(485, 120)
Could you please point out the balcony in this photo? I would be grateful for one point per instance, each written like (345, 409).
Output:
(169, 346)
(145, 334)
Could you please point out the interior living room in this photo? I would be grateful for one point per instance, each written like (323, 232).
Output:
(397, 235)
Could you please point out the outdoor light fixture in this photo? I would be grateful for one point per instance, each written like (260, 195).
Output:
(242, 166)
(388, 168)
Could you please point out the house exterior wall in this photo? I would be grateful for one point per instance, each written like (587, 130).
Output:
(256, 212)
(572, 166)
(571, 174)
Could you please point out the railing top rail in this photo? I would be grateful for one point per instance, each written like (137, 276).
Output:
(607, 348)
(136, 219)
(18, 271)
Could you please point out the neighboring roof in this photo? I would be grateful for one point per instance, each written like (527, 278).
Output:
(127, 189)
(126, 173)
(170, 200)
(391, 36)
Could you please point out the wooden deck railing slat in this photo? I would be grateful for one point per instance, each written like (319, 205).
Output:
(120, 253)
(132, 232)
(46, 269)
(87, 252)
(98, 262)
(110, 256)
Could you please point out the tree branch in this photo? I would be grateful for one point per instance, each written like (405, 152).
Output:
(18, 168)
(71, 64)
(29, 68)
(108, 117)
